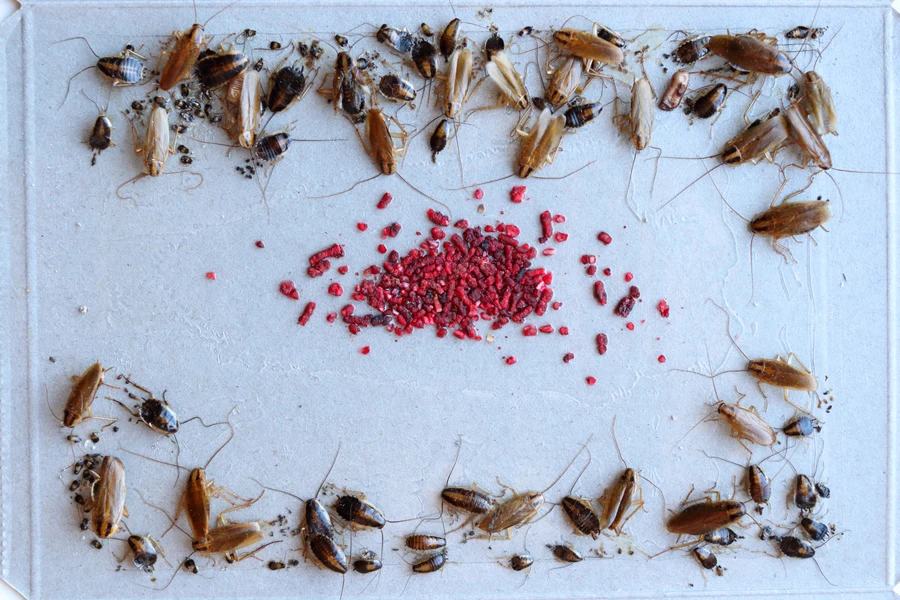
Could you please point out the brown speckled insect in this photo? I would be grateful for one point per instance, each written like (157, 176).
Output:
(691, 50)
(589, 46)
(368, 562)
(750, 53)
(565, 553)
(705, 516)
(473, 500)
(709, 103)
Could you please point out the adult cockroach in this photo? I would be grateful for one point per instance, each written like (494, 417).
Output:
(394, 87)
(100, 137)
(802, 133)
(459, 78)
(789, 219)
(818, 104)
(801, 426)
(400, 40)
(705, 516)
(540, 144)
(242, 102)
(215, 69)
(448, 40)
(589, 46)
(350, 86)
(579, 510)
(709, 103)
(368, 562)
(706, 558)
(565, 553)
(227, 538)
(749, 53)
(123, 69)
(691, 50)
(518, 510)
(580, 115)
(503, 73)
(565, 81)
(78, 404)
(722, 537)
(108, 498)
(675, 91)
(183, 56)
(641, 117)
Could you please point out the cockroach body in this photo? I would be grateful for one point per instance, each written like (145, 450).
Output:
(108, 496)
(215, 69)
(761, 140)
(327, 552)
(318, 521)
(447, 41)
(722, 537)
(758, 485)
(582, 114)
(503, 73)
(815, 530)
(789, 219)
(394, 87)
(676, 90)
(565, 553)
(705, 517)
(520, 562)
(228, 537)
(100, 137)
(350, 87)
(493, 45)
(242, 108)
(272, 147)
(156, 414)
(183, 57)
(801, 426)
(400, 40)
(516, 511)
(540, 144)
(359, 512)
(823, 490)
(691, 50)
(438, 139)
(78, 404)
(468, 500)
(195, 502)
(802, 32)
(750, 54)
(818, 104)
(458, 80)
(796, 548)
(286, 87)
(641, 116)
(617, 503)
(804, 493)
(605, 33)
(424, 56)
(780, 373)
(427, 31)
(368, 562)
(746, 424)
(582, 515)
(565, 81)
(709, 103)
(423, 542)
(802, 133)
(155, 149)
(381, 142)
(706, 558)
(587, 45)
(145, 551)
(124, 69)
(432, 564)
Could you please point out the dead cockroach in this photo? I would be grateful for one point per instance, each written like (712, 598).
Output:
(242, 102)
(473, 500)
(528, 30)
(565, 81)
(493, 45)
(432, 564)
(123, 69)
(609, 35)
(286, 86)
(350, 86)
(722, 537)
(276, 565)
(394, 87)
(802, 133)
(641, 115)
(691, 50)
(78, 404)
(802, 32)
(815, 530)
(749, 53)
(227, 538)
(823, 490)
(582, 114)
(705, 516)
(400, 40)
(805, 496)
(746, 424)
(157, 414)
(706, 558)
(327, 552)
(565, 553)
(359, 512)
(215, 69)
(801, 426)
(520, 562)
(448, 40)
(796, 548)
(423, 542)
(818, 104)
(789, 219)
(579, 510)
(100, 137)
(190, 565)
(183, 56)
(459, 79)
(427, 31)
(145, 551)
(540, 143)
(438, 139)
(368, 562)
(761, 140)
(709, 103)
(625, 494)
(504, 74)
(424, 57)
(675, 91)
(589, 46)
(108, 498)
(518, 510)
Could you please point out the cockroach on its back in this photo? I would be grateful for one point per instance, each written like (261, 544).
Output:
(802, 426)
(145, 551)
(393, 87)
(540, 144)
(520, 562)
(565, 81)
(400, 40)
(796, 548)
(100, 137)
(722, 537)
(706, 558)
(801, 32)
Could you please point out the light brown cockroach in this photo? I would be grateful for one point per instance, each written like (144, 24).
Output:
(747, 424)
(565, 553)
(540, 144)
(761, 140)
(789, 219)
(565, 81)
(518, 510)
(641, 116)
(802, 133)
(818, 104)
(675, 91)
(458, 87)
(749, 53)
(84, 391)
(184, 54)
(588, 46)
(503, 73)
(350, 86)
(242, 101)
(227, 537)
(108, 498)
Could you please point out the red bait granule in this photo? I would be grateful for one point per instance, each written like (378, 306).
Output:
(567, 357)
(385, 200)
(453, 284)
(590, 380)
(605, 238)
(364, 350)
(259, 244)
(546, 328)
(461, 224)
(629, 276)
(437, 233)
(529, 331)
(561, 237)
(390, 231)
(563, 330)
(591, 270)
(634, 292)
(630, 326)
(600, 293)
(548, 251)
(559, 219)
(662, 358)
(517, 194)
(319, 268)
(211, 275)
(343, 269)
(489, 229)
(333, 251)
(331, 317)
(382, 248)
(439, 219)
(556, 305)
(362, 226)
(290, 290)
(623, 309)
(602, 342)
(588, 259)
(607, 271)
(479, 194)
(307, 313)
(663, 308)
(511, 360)
(546, 227)
(335, 289)
(512, 231)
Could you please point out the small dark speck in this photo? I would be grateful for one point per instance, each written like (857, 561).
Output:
(53, 359)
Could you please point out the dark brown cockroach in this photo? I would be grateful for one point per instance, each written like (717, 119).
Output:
(589, 46)
(801, 426)
(123, 69)
(675, 91)
(494, 45)
(805, 496)
(350, 87)
(749, 53)
(473, 500)
(423, 542)
(802, 32)
(100, 137)
(722, 537)
(565, 81)
(286, 86)
(394, 87)
(145, 551)
(191, 566)
(565, 553)
(691, 50)
(789, 219)
(520, 562)
(368, 562)
(156, 414)
(327, 552)
(705, 516)
(78, 404)
(359, 512)
(709, 103)
(184, 54)
(400, 40)
(448, 40)
(424, 56)
(432, 564)
(579, 510)
(215, 69)
(276, 565)
(796, 548)
(823, 490)
(582, 114)
(108, 498)
(818, 104)
(758, 486)
(438, 139)
(706, 558)
(272, 148)
(815, 530)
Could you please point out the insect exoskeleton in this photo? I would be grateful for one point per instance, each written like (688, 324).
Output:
(691, 50)
(802, 133)
(145, 551)
(750, 54)
(705, 516)
(641, 117)
(582, 114)
(565, 81)
(587, 45)
(215, 69)
(540, 144)
(424, 542)
(242, 102)
(368, 562)
(709, 103)
(565, 553)
(359, 512)
(108, 495)
(78, 404)
(789, 219)
(818, 104)
(432, 564)
(400, 40)
(503, 73)
(706, 558)
(459, 77)
(285, 87)
(676, 90)
(394, 87)
(582, 515)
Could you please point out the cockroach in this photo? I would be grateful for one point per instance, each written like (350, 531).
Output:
(579, 510)
(459, 78)
(520, 562)
(801, 32)
(276, 565)
(359, 512)
(327, 552)
(493, 45)
(108, 498)
(801, 426)
(285, 87)
(100, 137)
(400, 40)
(609, 35)
(381, 142)
(227, 538)
(804, 493)
(691, 50)
(747, 424)
(722, 537)
(123, 69)
(518, 510)
(789, 219)
(705, 516)
(709, 103)
(625, 494)
(503, 73)
(589, 46)
(540, 144)
(796, 548)
(272, 148)
(242, 108)
(78, 404)
(368, 562)
(565, 553)
(749, 53)
(423, 542)
(815, 530)
(582, 114)
(156, 414)
(432, 564)
(469, 500)
(96, 544)
(145, 551)
(802, 133)
(675, 91)
(424, 57)
(394, 87)
(761, 140)
(350, 86)
(823, 490)
(818, 104)
(190, 565)
(706, 558)
(447, 41)
(427, 31)
(155, 149)
(215, 69)
(528, 30)
(641, 116)
(565, 81)
(183, 56)
(438, 139)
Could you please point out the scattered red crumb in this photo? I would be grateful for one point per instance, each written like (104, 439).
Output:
(663, 308)
(546, 226)
(512, 231)
(568, 356)
(529, 331)
(634, 292)
(390, 231)
(364, 350)
(479, 194)
(556, 305)
(382, 248)
(591, 270)
(335, 289)
(511, 360)
(290, 290)
(437, 233)
(559, 219)
(489, 229)
(343, 269)
(307, 313)
(590, 380)
(362, 226)
(629, 276)
(605, 238)
(626, 304)
(331, 317)
(517, 194)
(259, 244)
(546, 328)
(563, 330)
(319, 263)
(211, 275)
(600, 293)
(630, 326)
(438, 218)
(588, 259)
(548, 251)
(461, 224)
(561, 237)
(602, 342)
(607, 271)
(662, 358)
(385, 200)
